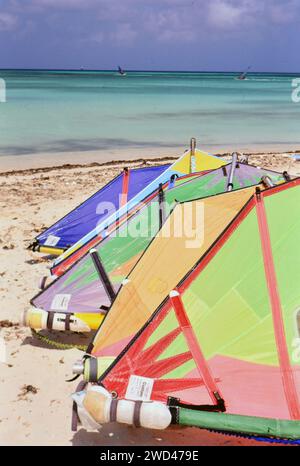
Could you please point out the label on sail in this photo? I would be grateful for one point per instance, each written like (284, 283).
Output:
(52, 240)
(60, 302)
(139, 388)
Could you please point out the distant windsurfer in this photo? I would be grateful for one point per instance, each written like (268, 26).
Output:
(121, 72)
(243, 75)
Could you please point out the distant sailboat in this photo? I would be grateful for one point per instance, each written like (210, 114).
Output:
(121, 72)
(243, 75)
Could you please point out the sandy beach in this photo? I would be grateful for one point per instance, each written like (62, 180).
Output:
(139, 153)
(35, 404)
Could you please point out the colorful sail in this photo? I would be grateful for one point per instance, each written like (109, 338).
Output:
(163, 264)
(217, 181)
(191, 161)
(227, 337)
(84, 218)
(73, 258)
(80, 290)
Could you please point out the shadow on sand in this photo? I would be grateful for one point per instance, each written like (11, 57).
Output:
(122, 435)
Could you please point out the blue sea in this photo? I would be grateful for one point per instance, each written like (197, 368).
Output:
(54, 111)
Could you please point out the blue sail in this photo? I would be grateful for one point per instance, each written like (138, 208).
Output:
(84, 218)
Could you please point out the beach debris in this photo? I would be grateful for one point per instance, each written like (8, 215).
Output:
(27, 390)
(39, 260)
(8, 324)
(8, 247)
(53, 402)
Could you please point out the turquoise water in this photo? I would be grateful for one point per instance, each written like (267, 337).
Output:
(48, 111)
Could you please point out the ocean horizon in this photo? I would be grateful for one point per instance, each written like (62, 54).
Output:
(131, 70)
(50, 111)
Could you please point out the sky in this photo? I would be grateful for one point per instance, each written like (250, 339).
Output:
(196, 35)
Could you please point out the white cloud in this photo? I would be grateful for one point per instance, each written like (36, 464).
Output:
(224, 14)
(285, 13)
(170, 26)
(63, 3)
(124, 34)
(96, 37)
(169, 21)
(8, 22)
(236, 14)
